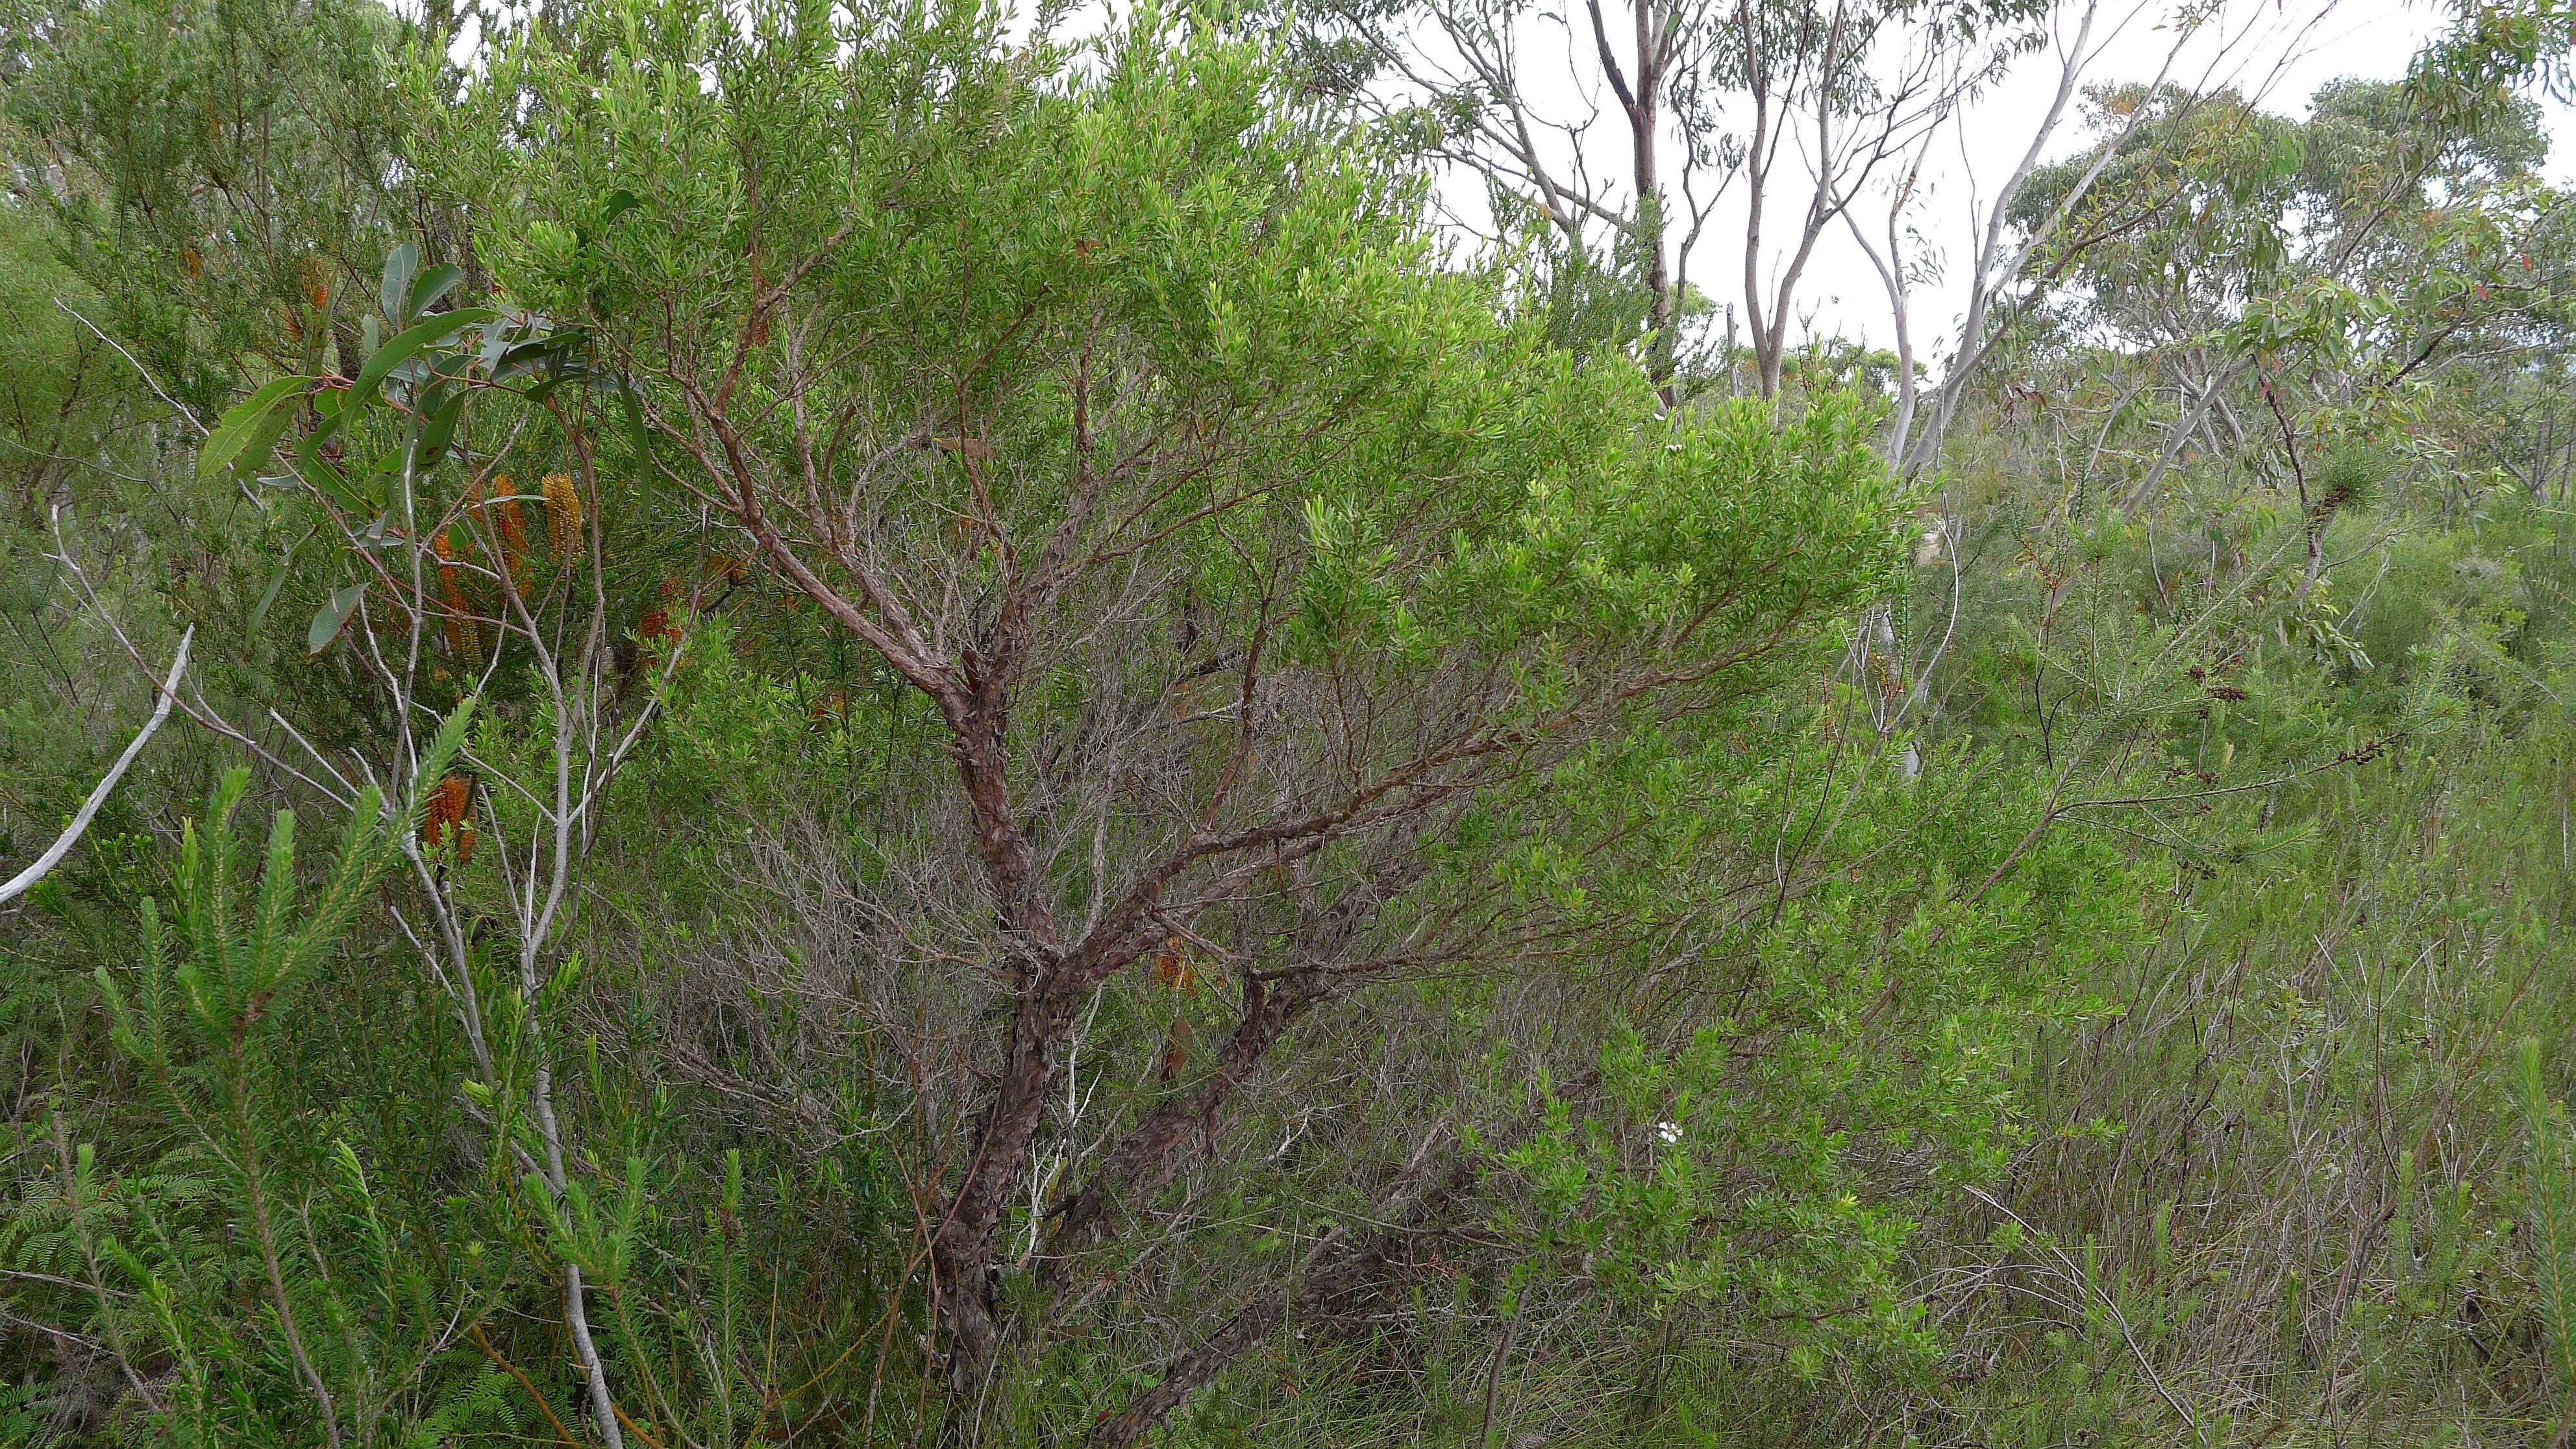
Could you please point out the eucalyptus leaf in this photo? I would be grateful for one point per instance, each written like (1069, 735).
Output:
(442, 407)
(320, 473)
(400, 268)
(251, 426)
(407, 345)
(434, 285)
(277, 581)
(332, 617)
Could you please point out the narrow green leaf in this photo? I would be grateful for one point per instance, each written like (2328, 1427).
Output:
(277, 581)
(636, 436)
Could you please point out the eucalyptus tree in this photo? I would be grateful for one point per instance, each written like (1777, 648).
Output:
(2282, 285)
(1805, 106)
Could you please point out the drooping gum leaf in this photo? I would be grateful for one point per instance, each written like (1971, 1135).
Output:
(332, 618)
(406, 345)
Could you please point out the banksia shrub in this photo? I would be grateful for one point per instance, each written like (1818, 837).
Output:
(2550, 1197)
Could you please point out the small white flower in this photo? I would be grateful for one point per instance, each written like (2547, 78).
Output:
(1667, 1133)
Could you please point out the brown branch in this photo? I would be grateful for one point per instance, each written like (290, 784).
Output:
(475, 1331)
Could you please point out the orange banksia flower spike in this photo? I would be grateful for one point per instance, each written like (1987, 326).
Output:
(509, 525)
(463, 635)
(512, 527)
(448, 802)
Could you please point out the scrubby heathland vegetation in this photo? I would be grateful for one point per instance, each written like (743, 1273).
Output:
(849, 723)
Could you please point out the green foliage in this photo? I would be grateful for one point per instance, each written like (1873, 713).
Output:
(350, 1315)
(219, 174)
(2551, 1217)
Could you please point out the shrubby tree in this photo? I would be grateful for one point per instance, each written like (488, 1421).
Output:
(1241, 558)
